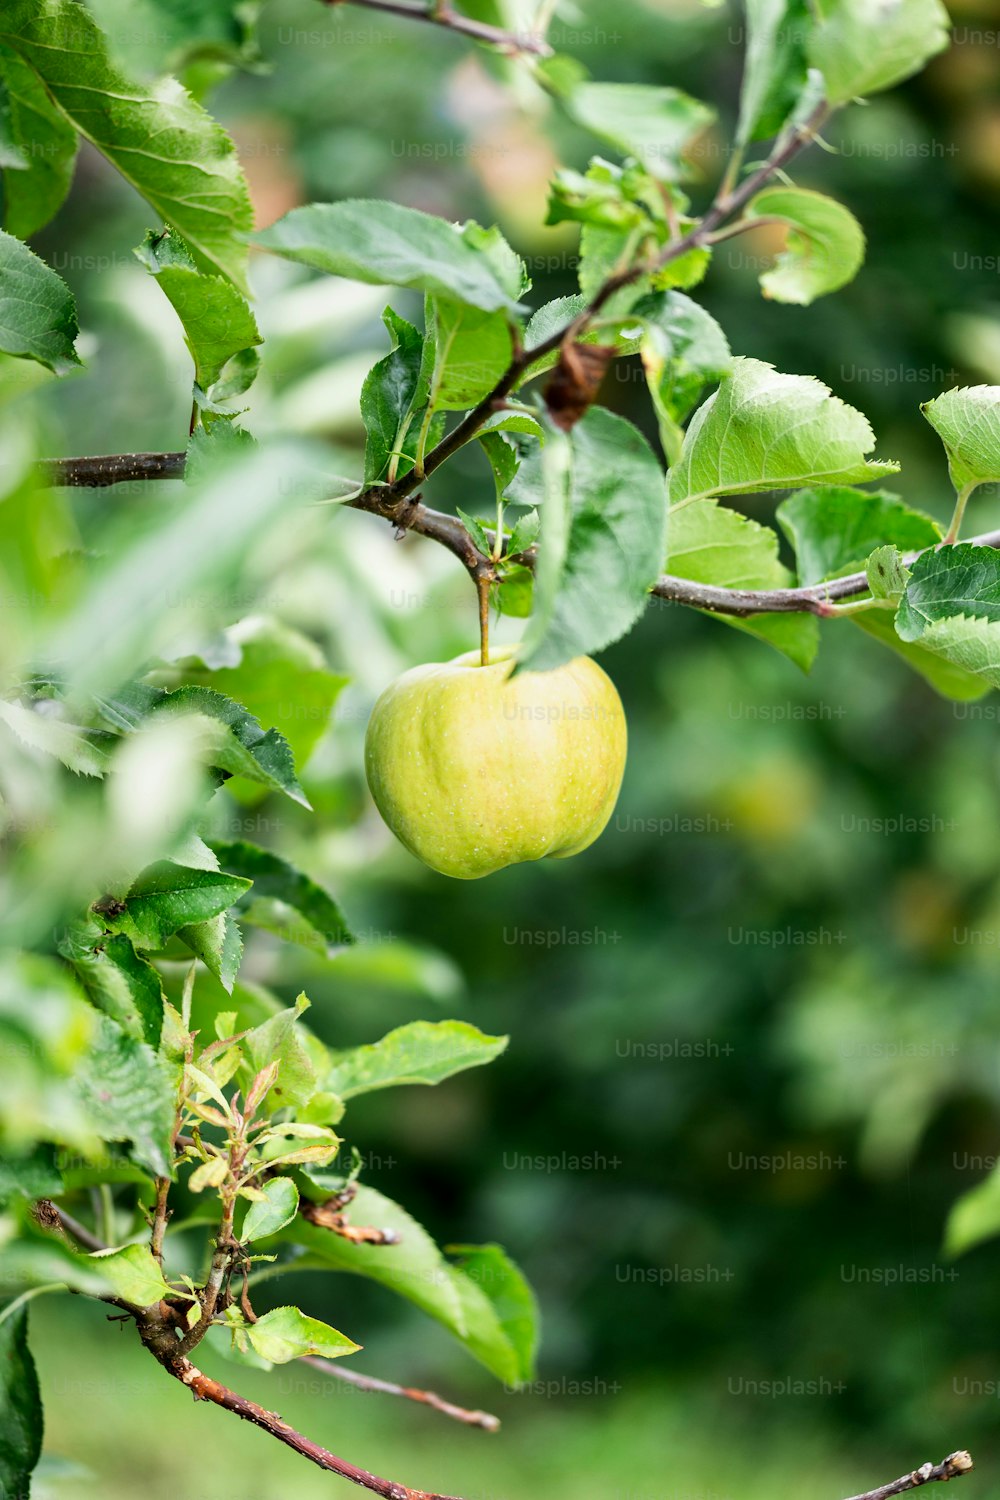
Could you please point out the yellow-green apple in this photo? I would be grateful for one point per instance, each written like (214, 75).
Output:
(474, 769)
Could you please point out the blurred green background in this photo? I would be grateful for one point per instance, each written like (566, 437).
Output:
(755, 1045)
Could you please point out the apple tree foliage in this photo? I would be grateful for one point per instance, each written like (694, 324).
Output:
(139, 1070)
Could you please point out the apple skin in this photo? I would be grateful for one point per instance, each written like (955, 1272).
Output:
(474, 770)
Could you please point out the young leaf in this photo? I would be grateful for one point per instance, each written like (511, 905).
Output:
(504, 461)
(887, 573)
(834, 529)
(974, 1217)
(825, 246)
(861, 48)
(36, 184)
(161, 141)
(652, 123)
(279, 1040)
(951, 608)
(280, 1205)
(709, 543)
(133, 1274)
(216, 319)
(477, 531)
(128, 1094)
(604, 534)
(511, 1299)
(968, 423)
(774, 69)
(380, 242)
(390, 397)
(765, 431)
(285, 1333)
(37, 311)
(21, 1403)
(284, 900)
(167, 897)
(420, 1052)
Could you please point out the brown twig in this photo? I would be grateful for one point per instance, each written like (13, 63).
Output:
(441, 14)
(350, 1376)
(953, 1467)
(162, 1343)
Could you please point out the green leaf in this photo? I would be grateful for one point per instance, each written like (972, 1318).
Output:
(234, 740)
(34, 1175)
(504, 461)
(951, 608)
(652, 123)
(775, 67)
(161, 141)
(824, 250)
(279, 1208)
(510, 1299)
(974, 1217)
(46, 1033)
(765, 431)
(948, 680)
(420, 1052)
(133, 1274)
(280, 1040)
(129, 1094)
(414, 1268)
(834, 529)
(37, 311)
(557, 315)
(281, 676)
(216, 319)
(118, 981)
(34, 187)
(472, 349)
(477, 530)
(604, 535)
(285, 1333)
(167, 897)
(218, 942)
(21, 1403)
(73, 746)
(284, 900)
(390, 397)
(378, 242)
(968, 423)
(683, 350)
(709, 543)
(861, 47)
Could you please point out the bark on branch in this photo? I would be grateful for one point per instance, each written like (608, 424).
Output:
(952, 1467)
(442, 14)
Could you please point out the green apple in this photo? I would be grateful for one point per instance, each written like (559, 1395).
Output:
(474, 769)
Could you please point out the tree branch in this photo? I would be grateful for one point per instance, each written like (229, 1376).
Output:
(440, 13)
(162, 1344)
(448, 531)
(953, 1467)
(483, 1419)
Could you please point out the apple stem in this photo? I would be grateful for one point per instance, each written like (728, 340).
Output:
(483, 588)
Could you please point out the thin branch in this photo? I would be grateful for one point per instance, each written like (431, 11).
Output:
(50, 1216)
(449, 532)
(483, 1419)
(953, 1467)
(163, 1345)
(441, 14)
